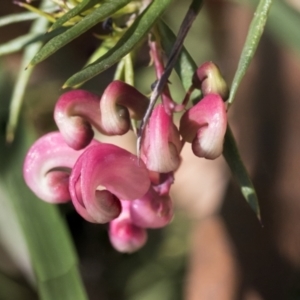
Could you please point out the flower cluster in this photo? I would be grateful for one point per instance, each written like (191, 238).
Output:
(108, 184)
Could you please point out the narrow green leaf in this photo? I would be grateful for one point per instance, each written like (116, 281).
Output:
(47, 239)
(15, 18)
(128, 70)
(185, 68)
(128, 41)
(37, 27)
(49, 243)
(105, 46)
(16, 44)
(26, 16)
(21, 42)
(237, 167)
(68, 286)
(82, 6)
(40, 12)
(254, 34)
(119, 72)
(98, 15)
(12, 239)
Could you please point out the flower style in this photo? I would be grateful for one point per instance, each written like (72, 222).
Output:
(204, 125)
(117, 170)
(47, 167)
(161, 146)
(77, 111)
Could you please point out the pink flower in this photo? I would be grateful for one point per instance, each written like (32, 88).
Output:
(161, 145)
(105, 182)
(152, 210)
(76, 111)
(121, 174)
(123, 234)
(47, 167)
(127, 232)
(119, 103)
(204, 125)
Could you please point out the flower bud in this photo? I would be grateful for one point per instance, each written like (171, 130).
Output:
(123, 234)
(77, 111)
(74, 113)
(152, 210)
(161, 145)
(204, 125)
(209, 80)
(111, 167)
(47, 167)
(120, 102)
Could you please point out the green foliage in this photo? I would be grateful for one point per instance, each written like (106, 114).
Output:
(136, 32)
(15, 18)
(53, 258)
(185, 66)
(254, 34)
(78, 9)
(95, 17)
(235, 163)
(38, 27)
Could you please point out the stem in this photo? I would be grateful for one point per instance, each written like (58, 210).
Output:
(129, 78)
(156, 56)
(184, 29)
(129, 72)
(119, 73)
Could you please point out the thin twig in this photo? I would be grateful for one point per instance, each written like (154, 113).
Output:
(184, 29)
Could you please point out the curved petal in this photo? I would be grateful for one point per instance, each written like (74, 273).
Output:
(161, 145)
(74, 113)
(47, 167)
(110, 167)
(123, 234)
(204, 125)
(120, 102)
(105, 207)
(152, 210)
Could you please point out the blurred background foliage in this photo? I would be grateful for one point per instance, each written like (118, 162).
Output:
(215, 253)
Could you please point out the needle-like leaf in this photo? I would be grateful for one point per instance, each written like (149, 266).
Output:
(82, 6)
(185, 68)
(98, 15)
(128, 41)
(255, 32)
